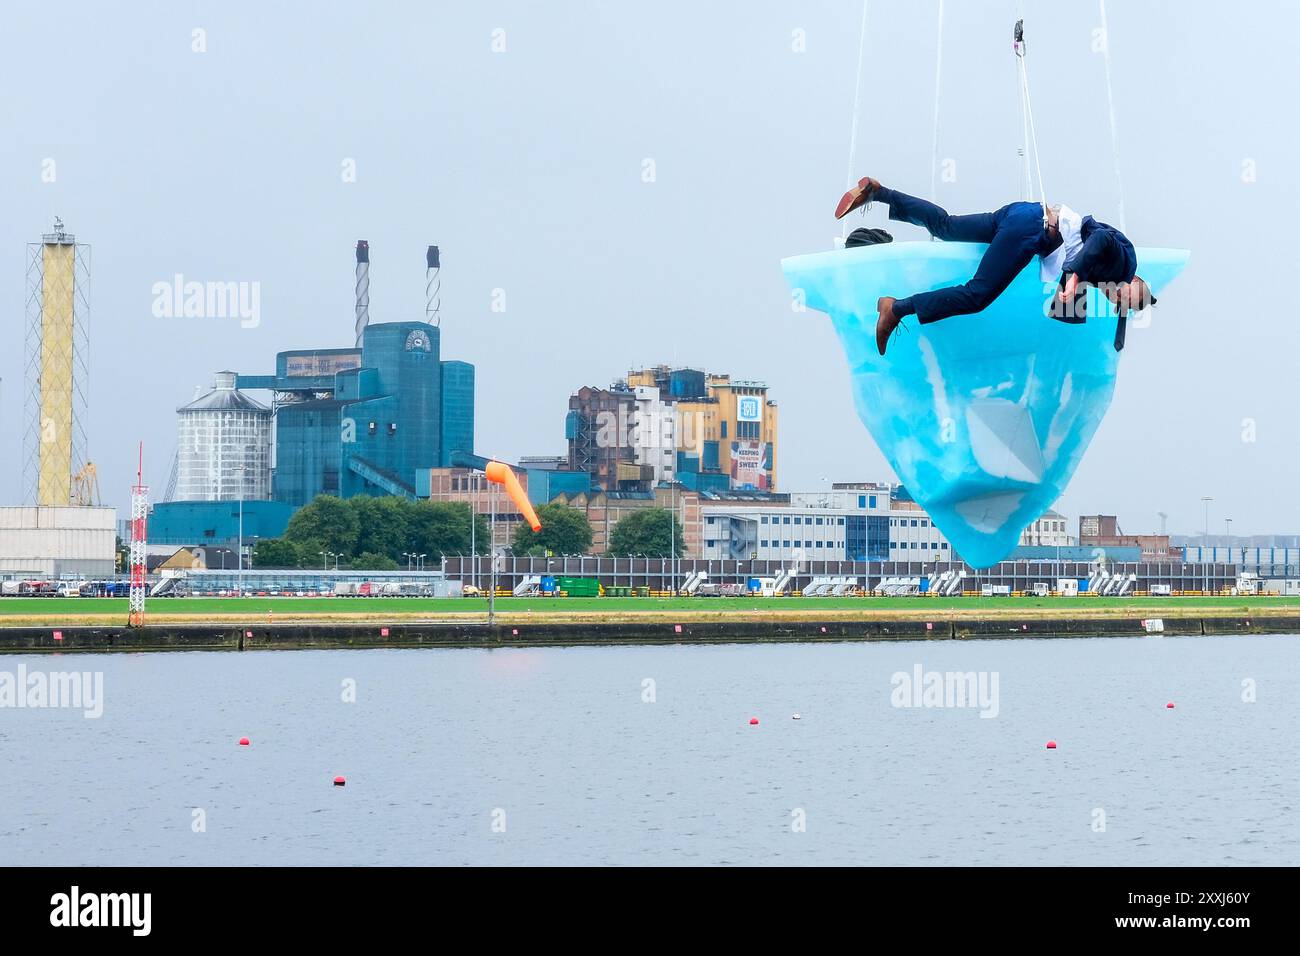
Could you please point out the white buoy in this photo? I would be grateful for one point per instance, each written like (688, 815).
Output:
(796, 717)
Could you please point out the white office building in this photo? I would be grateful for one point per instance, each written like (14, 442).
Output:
(1049, 531)
(854, 522)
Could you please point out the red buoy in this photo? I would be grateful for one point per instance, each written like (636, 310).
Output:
(753, 721)
(1051, 745)
(243, 741)
(340, 781)
(1170, 705)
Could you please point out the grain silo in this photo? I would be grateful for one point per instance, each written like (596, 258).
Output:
(223, 446)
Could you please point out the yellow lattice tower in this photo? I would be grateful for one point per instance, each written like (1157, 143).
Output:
(54, 478)
(58, 271)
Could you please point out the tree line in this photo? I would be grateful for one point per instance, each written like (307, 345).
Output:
(372, 534)
(376, 534)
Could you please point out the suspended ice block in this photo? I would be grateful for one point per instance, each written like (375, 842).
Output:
(982, 417)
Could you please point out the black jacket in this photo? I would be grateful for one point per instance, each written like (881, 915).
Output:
(1105, 256)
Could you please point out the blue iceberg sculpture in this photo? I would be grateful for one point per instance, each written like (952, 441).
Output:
(982, 417)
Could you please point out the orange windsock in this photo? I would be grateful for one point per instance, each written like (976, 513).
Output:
(502, 474)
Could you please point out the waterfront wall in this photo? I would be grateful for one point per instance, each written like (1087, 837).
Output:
(194, 637)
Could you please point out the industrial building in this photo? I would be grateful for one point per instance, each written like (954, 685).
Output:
(223, 446)
(48, 542)
(370, 419)
(365, 421)
(1103, 531)
(662, 424)
(215, 523)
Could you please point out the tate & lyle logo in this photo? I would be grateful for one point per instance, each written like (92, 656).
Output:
(748, 409)
(75, 908)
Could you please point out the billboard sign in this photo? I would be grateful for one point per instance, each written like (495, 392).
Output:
(749, 408)
(749, 465)
(321, 363)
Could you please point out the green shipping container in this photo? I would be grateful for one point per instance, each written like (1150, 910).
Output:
(578, 587)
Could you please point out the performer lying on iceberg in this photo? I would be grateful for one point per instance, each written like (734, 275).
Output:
(1075, 252)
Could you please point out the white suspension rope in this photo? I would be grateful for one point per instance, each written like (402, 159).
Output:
(1110, 101)
(938, 73)
(1026, 177)
(1029, 113)
(853, 130)
(1033, 135)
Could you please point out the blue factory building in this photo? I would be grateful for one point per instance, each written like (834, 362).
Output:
(212, 523)
(367, 420)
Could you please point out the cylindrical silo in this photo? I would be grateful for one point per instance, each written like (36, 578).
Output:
(223, 446)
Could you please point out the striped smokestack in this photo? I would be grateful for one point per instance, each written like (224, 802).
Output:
(432, 286)
(363, 288)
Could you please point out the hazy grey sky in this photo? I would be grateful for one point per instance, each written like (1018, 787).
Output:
(525, 166)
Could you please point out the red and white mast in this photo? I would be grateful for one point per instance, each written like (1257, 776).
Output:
(139, 515)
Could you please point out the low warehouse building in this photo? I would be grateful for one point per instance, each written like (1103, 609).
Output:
(57, 541)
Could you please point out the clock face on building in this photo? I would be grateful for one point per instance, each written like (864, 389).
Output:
(418, 341)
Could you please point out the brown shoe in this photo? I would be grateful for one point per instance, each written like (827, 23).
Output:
(857, 196)
(887, 322)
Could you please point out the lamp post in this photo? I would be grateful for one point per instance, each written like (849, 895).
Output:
(420, 559)
(324, 559)
(239, 544)
(492, 554)
(473, 522)
(1227, 525)
(1205, 542)
(672, 536)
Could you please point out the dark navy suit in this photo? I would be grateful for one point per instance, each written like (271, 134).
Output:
(1014, 234)
(1105, 256)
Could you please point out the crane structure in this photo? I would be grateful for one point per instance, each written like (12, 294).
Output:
(85, 487)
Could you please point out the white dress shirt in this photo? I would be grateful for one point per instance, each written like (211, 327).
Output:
(1069, 222)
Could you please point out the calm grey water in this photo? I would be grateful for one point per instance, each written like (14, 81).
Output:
(560, 747)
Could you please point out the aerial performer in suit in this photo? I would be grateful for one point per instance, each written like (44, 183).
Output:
(1075, 252)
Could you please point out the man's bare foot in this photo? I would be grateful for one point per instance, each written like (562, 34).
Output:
(887, 322)
(857, 196)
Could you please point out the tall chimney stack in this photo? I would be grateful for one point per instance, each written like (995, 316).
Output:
(363, 288)
(432, 286)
